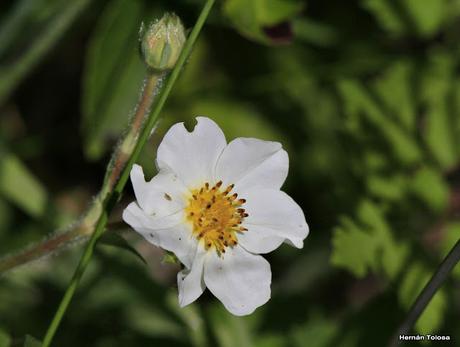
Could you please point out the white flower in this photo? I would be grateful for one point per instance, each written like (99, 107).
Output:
(217, 206)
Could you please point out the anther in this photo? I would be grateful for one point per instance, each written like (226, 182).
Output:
(218, 184)
(206, 185)
(245, 215)
(242, 201)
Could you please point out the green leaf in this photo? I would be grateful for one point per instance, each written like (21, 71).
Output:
(112, 77)
(387, 15)
(427, 15)
(396, 91)
(389, 188)
(38, 23)
(31, 342)
(111, 238)
(353, 248)
(436, 84)
(402, 17)
(367, 244)
(415, 278)
(19, 186)
(5, 339)
(429, 185)
(360, 106)
(318, 331)
(230, 330)
(251, 17)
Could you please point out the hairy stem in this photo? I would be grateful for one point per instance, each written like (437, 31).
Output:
(85, 226)
(427, 293)
(113, 196)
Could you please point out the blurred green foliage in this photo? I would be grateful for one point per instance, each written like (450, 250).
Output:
(365, 96)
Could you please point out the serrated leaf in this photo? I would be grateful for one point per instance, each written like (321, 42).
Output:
(31, 342)
(367, 244)
(21, 187)
(116, 240)
(251, 17)
(112, 77)
(353, 249)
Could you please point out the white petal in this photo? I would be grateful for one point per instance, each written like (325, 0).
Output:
(163, 195)
(240, 280)
(274, 217)
(192, 156)
(251, 163)
(169, 232)
(190, 281)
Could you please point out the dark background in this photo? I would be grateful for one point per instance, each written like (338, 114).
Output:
(365, 97)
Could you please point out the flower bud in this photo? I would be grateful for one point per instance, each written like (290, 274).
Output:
(162, 42)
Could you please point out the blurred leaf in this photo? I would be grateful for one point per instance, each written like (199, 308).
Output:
(252, 17)
(317, 331)
(389, 188)
(359, 106)
(230, 330)
(237, 119)
(113, 239)
(113, 75)
(368, 245)
(31, 342)
(396, 91)
(439, 126)
(427, 15)
(192, 318)
(402, 17)
(47, 20)
(5, 338)
(353, 249)
(415, 278)
(18, 185)
(313, 32)
(429, 185)
(387, 15)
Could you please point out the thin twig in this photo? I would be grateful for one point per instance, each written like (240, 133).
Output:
(427, 293)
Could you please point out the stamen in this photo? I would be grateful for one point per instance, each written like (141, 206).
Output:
(215, 216)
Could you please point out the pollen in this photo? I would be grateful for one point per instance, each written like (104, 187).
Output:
(216, 216)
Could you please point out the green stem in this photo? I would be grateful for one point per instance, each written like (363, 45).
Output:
(81, 230)
(427, 293)
(113, 197)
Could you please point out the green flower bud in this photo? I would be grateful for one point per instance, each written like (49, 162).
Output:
(162, 42)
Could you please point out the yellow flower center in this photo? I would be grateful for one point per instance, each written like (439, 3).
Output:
(216, 216)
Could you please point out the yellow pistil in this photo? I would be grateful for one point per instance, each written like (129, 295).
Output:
(216, 216)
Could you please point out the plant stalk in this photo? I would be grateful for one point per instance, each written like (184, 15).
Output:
(113, 196)
(427, 293)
